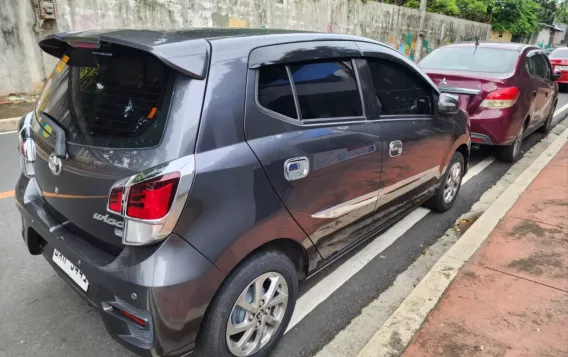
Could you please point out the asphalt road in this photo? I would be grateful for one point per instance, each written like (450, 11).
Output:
(41, 315)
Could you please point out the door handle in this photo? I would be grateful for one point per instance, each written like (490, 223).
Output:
(534, 94)
(395, 148)
(296, 168)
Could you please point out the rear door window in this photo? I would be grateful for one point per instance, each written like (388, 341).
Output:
(537, 65)
(323, 90)
(275, 91)
(115, 98)
(327, 90)
(545, 63)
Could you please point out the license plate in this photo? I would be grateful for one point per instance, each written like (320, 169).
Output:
(71, 270)
(561, 68)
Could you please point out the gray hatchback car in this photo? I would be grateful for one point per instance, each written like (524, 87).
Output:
(183, 182)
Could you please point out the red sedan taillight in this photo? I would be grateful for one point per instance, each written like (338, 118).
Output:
(151, 202)
(501, 98)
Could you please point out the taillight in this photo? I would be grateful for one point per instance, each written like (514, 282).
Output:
(501, 98)
(152, 199)
(115, 200)
(151, 202)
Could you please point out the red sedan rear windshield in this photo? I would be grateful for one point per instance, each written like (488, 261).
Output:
(559, 53)
(470, 59)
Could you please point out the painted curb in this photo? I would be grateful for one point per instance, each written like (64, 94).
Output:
(9, 124)
(396, 333)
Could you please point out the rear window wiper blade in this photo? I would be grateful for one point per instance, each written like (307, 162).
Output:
(60, 136)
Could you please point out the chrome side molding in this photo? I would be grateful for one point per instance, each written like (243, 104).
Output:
(361, 201)
(455, 90)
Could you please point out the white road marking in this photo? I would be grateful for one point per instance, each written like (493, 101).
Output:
(9, 132)
(324, 288)
(558, 111)
(477, 168)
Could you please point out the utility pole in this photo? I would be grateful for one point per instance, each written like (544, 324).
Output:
(418, 50)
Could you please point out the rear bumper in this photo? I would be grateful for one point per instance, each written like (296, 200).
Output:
(170, 285)
(494, 127)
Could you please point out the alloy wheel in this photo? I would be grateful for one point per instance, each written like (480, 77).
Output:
(452, 182)
(257, 314)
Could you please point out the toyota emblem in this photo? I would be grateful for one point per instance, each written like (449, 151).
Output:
(55, 164)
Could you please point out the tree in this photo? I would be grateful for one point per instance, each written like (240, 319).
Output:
(444, 7)
(474, 10)
(547, 11)
(562, 13)
(516, 16)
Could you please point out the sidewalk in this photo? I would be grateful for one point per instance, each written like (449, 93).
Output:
(511, 298)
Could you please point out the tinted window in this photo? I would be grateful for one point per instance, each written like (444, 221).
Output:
(561, 53)
(400, 90)
(545, 66)
(326, 90)
(275, 91)
(537, 65)
(116, 98)
(469, 59)
(532, 66)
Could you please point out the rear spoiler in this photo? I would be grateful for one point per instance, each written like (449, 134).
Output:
(454, 90)
(182, 53)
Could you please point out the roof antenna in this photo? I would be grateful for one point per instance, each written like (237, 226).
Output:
(476, 44)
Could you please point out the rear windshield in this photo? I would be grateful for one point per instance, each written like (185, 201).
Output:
(559, 54)
(469, 59)
(114, 97)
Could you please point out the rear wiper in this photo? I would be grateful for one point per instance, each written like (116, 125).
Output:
(60, 136)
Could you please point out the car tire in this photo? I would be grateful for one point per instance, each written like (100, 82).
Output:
(511, 153)
(545, 128)
(215, 339)
(449, 187)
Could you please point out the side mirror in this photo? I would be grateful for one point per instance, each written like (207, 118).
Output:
(556, 75)
(447, 104)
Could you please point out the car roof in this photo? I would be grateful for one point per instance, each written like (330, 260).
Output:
(188, 50)
(511, 46)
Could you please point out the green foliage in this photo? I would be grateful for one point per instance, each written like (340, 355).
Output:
(474, 10)
(547, 11)
(445, 7)
(562, 14)
(516, 16)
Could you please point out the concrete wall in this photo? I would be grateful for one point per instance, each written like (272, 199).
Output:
(560, 36)
(23, 68)
(500, 36)
(543, 38)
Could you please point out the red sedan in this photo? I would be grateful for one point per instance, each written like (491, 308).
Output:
(508, 89)
(559, 60)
